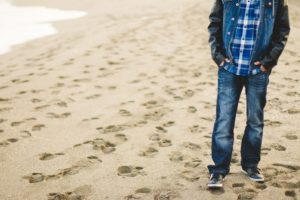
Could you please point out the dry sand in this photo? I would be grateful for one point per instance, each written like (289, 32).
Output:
(121, 103)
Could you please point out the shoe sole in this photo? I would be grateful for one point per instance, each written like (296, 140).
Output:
(215, 186)
(252, 179)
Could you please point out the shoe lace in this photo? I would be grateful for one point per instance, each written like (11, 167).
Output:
(255, 170)
(216, 176)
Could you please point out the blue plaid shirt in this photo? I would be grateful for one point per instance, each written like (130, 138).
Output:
(244, 39)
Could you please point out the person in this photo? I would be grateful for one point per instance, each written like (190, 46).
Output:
(246, 38)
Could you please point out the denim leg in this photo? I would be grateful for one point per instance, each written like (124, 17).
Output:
(256, 90)
(229, 91)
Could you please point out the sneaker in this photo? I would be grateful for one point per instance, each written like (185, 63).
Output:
(216, 180)
(254, 174)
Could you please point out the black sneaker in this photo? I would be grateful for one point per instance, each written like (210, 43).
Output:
(254, 174)
(216, 180)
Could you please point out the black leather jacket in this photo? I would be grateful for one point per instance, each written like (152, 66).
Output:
(272, 34)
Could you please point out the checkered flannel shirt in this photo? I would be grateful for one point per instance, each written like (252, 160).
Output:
(244, 38)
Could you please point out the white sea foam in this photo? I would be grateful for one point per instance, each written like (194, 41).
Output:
(21, 24)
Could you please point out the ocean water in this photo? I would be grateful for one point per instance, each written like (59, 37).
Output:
(21, 24)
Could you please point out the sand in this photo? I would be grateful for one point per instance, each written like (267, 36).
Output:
(120, 104)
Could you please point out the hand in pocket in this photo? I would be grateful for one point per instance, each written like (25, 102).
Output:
(223, 62)
(262, 68)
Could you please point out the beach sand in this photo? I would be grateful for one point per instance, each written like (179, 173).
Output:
(120, 104)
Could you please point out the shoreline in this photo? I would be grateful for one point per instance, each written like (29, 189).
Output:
(30, 27)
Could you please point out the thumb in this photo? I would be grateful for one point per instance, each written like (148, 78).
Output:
(257, 63)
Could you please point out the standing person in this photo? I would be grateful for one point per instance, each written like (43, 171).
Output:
(246, 39)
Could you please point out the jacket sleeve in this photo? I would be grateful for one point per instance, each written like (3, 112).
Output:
(279, 37)
(215, 31)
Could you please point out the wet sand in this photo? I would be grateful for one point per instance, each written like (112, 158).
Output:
(120, 104)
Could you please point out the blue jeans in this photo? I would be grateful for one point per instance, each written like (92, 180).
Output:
(229, 91)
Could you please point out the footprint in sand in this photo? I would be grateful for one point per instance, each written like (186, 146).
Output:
(260, 186)
(78, 193)
(38, 127)
(90, 119)
(58, 116)
(265, 150)
(164, 143)
(131, 171)
(192, 163)
(8, 141)
(49, 156)
(177, 156)
(4, 143)
(290, 193)
(41, 107)
(104, 146)
(111, 128)
(161, 129)
(35, 177)
(36, 100)
(192, 109)
(190, 175)
(12, 140)
(218, 191)
(269, 173)
(293, 111)
(168, 124)
(292, 94)
(192, 146)
(166, 195)
(25, 134)
(235, 185)
(4, 99)
(120, 138)
(272, 123)
(74, 169)
(246, 193)
(154, 137)
(235, 158)
(149, 152)
(16, 123)
(150, 104)
(138, 193)
(94, 96)
(64, 196)
(143, 190)
(278, 147)
(124, 112)
(196, 129)
(156, 115)
(291, 136)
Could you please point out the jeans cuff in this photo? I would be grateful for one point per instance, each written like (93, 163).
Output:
(220, 170)
(248, 165)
